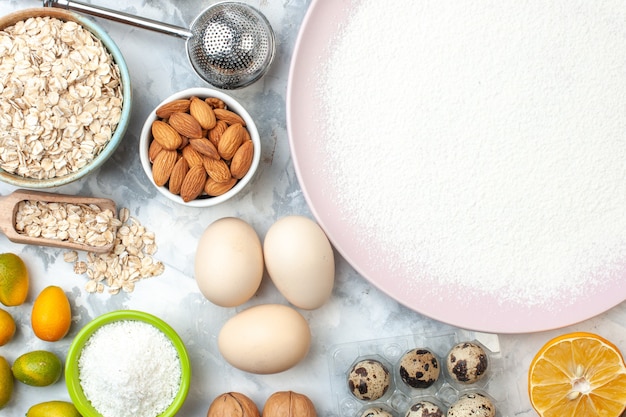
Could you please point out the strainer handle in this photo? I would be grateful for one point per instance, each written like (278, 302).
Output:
(121, 17)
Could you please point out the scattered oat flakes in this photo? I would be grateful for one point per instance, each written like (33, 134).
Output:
(80, 267)
(129, 261)
(124, 214)
(70, 256)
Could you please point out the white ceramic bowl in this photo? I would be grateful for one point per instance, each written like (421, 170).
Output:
(120, 130)
(231, 104)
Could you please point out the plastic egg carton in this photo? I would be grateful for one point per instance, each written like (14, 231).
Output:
(400, 396)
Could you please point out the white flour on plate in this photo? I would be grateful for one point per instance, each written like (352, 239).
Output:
(483, 143)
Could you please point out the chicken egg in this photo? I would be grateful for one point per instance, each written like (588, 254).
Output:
(299, 260)
(229, 262)
(265, 339)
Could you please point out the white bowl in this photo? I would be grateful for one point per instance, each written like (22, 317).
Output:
(231, 104)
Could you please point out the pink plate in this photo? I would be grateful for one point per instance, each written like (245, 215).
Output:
(476, 311)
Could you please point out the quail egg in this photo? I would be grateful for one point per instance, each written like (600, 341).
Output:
(424, 409)
(419, 368)
(369, 379)
(472, 405)
(375, 412)
(467, 362)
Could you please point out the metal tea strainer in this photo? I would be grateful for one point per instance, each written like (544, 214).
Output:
(230, 44)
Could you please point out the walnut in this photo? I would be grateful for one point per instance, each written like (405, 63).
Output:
(289, 404)
(233, 404)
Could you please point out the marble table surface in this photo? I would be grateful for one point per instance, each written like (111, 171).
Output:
(357, 313)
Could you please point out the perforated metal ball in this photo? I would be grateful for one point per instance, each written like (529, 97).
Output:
(232, 45)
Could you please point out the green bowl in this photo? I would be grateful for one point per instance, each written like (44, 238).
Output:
(122, 126)
(71, 364)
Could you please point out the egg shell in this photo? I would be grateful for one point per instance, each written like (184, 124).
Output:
(265, 339)
(299, 260)
(229, 262)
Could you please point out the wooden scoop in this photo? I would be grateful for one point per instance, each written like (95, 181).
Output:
(8, 211)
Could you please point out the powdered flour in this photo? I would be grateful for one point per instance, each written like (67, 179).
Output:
(483, 143)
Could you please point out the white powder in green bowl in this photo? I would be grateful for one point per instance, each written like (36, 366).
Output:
(129, 368)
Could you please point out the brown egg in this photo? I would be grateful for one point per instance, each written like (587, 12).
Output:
(265, 339)
(229, 262)
(300, 261)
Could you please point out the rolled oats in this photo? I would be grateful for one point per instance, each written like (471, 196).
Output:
(71, 256)
(80, 267)
(77, 223)
(128, 262)
(60, 97)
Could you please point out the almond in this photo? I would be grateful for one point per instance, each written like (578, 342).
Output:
(228, 116)
(217, 169)
(214, 188)
(231, 139)
(178, 175)
(153, 150)
(203, 113)
(163, 166)
(215, 134)
(166, 135)
(186, 125)
(192, 156)
(193, 184)
(205, 147)
(184, 143)
(215, 103)
(166, 110)
(242, 160)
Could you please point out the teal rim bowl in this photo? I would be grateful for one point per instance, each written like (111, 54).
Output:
(71, 362)
(122, 126)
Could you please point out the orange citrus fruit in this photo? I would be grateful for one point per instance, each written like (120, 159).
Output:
(51, 317)
(13, 280)
(7, 327)
(578, 374)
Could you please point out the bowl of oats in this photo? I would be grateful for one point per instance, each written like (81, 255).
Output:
(200, 147)
(65, 100)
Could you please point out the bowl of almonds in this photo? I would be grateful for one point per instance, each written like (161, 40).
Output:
(199, 147)
(65, 100)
